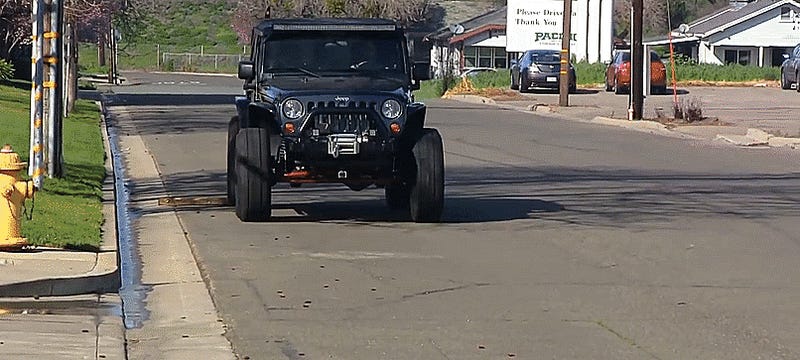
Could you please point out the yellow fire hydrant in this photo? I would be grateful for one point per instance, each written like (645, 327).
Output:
(13, 193)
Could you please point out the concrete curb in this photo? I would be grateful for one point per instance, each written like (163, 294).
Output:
(104, 276)
(758, 137)
(473, 99)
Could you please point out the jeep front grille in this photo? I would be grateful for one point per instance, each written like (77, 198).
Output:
(351, 118)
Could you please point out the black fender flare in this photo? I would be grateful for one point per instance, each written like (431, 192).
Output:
(259, 115)
(416, 118)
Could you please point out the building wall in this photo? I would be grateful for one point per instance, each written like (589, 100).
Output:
(762, 38)
(706, 54)
(767, 30)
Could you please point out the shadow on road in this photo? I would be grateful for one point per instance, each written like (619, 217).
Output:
(606, 198)
(168, 99)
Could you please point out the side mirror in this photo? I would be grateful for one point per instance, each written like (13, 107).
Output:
(785, 56)
(246, 70)
(421, 71)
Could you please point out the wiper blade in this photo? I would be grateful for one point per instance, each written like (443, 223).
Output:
(383, 75)
(294, 69)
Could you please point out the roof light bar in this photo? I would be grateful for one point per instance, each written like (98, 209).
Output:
(330, 27)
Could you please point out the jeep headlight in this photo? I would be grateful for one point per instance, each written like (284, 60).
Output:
(391, 109)
(293, 109)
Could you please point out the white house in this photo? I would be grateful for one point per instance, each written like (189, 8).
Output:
(477, 42)
(747, 32)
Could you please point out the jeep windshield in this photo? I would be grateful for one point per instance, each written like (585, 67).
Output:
(336, 53)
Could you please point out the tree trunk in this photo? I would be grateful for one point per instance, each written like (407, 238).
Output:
(101, 50)
(71, 83)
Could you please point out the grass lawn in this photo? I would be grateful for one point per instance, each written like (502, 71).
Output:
(67, 213)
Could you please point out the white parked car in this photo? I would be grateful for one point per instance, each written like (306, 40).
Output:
(476, 70)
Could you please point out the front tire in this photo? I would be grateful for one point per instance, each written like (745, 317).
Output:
(426, 196)
(233, 129)
(253, 191)
(785, 84)
(797, 80)
(523, 85)
(617, 89)
(513, 85)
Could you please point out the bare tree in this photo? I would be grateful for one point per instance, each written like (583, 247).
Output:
(247, 12)
(14, 26)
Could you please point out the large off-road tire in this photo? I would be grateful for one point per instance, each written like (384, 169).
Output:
(426, 195)
(785, 84)
(253, 191)
(397, 196)
(233, 129)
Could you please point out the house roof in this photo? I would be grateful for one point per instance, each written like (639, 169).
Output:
(731, 15)
(491, 20)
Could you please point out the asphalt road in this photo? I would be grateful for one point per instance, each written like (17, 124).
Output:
(560, 240)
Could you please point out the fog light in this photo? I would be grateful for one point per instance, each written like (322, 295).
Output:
(395, 128)
(289, 128)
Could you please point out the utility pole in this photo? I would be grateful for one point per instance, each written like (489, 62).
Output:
(54, 57)
(46, 95)
(637, 61)
(563, 85)
(36, 169)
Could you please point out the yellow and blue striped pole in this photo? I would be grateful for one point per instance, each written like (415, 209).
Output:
(36, 168)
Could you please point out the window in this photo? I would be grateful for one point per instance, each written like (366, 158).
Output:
(741, 57)
(499, 58)
(786, 13)
(470, 56)
(484, 57)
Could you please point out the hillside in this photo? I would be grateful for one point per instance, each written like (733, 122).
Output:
(195, 26)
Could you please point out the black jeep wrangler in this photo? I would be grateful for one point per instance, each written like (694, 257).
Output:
(330, 101)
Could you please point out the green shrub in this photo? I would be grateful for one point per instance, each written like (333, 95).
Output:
(6, 70)
(586, 73)
(708, 72)
(488, 79)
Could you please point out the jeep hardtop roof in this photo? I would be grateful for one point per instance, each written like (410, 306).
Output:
(326, 24)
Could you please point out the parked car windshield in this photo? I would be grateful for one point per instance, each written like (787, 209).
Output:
(334, 53)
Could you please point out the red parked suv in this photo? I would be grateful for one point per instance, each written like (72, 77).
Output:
(618, 73)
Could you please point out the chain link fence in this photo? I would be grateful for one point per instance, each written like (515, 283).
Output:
(159, 57)
(193, 62)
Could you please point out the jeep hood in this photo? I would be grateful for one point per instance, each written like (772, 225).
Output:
(341, 83)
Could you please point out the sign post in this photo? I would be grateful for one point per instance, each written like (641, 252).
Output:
(563, 85)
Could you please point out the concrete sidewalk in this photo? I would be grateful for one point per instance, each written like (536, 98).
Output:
(744, 116)
(63, 304)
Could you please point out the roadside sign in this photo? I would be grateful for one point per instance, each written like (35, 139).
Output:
(539, 25)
